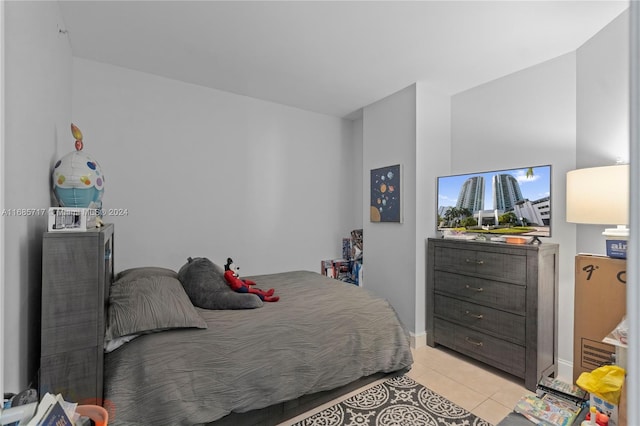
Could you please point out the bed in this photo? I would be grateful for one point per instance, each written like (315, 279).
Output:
(201, 366)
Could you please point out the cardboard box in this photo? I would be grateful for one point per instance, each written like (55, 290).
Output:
(599, 306)
(617, 248)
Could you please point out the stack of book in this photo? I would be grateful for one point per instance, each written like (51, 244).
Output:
(53, 411)
(556, 403)
(339, 269)
(326, 268)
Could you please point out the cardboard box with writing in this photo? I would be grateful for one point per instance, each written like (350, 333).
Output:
(600, 304)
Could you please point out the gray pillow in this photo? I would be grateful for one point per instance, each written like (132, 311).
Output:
(149, 304)
(204, 283)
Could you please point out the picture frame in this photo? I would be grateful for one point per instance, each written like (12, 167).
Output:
(386, 194)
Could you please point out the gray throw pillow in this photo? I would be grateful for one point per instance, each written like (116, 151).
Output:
(149, 304)
(204, 283)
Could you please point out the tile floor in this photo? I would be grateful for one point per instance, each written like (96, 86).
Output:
(486, 392)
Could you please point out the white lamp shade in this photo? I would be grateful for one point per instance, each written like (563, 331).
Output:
(598, 195)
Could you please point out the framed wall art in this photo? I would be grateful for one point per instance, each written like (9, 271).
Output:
(386, 201)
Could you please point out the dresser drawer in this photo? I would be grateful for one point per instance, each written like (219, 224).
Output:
(493, 351)
(488, 264)
(497, 294)
(481, 318)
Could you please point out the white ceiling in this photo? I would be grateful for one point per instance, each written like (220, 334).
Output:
(331, 57)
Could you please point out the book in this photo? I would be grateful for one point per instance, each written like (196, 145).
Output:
(548, 410)
(569, 407)
(55, 416)
(346, 248)
(562, 389)
(50, 412)
(327, 268)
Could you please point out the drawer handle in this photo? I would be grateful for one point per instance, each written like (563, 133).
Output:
(478, 289)
(476, 316)
(471, 341)
(477, 262)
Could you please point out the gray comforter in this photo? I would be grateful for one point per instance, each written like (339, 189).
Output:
(320, 335)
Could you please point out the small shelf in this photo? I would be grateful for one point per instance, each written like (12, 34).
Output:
(77, 268)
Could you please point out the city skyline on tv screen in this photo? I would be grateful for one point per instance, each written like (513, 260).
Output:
(526, 191)
(534, 188)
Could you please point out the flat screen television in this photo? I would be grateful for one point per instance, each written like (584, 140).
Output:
(502, 202)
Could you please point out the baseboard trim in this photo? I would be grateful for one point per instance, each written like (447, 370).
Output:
(418, 340)
(565, 370)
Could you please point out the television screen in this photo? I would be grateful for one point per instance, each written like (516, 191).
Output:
(503, 202)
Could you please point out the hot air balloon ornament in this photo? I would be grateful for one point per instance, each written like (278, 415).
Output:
(77, 178)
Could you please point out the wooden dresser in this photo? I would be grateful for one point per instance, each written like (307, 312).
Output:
(495, 302)
(77, 268)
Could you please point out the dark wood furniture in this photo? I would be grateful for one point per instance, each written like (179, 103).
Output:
(495, 302)
(77, 269)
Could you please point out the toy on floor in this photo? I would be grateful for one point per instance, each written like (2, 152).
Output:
(245, 286)
(595, 418)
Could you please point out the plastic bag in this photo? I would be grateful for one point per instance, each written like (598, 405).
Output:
(605, 381)
(618, 335)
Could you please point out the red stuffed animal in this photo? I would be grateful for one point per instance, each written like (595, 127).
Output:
(245, 286)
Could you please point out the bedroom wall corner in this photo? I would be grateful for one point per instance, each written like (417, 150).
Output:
(37, 71)
(359, 203)
(418, 340)
(203, 172)
(527, 118)
(433, 159)
(389, 137)
(602, 110)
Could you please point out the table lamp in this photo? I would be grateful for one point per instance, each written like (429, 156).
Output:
(600, 196)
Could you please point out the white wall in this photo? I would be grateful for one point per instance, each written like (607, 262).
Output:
(357, 174)
(602, 111)
(2, 182)
(203, 172)
(410, 127)
(633, 261)
(524, 119)
(433, 159)
(603, 103)
(389, 137)
(37, 60)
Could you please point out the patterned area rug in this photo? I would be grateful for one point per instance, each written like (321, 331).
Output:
(397, 401)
